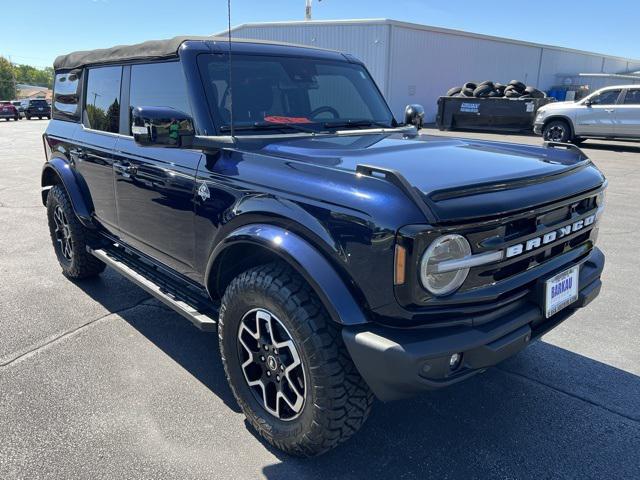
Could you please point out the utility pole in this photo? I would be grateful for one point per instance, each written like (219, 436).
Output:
(307, 11)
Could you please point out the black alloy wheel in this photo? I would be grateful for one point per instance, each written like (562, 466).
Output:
(271, 364)
(62, 233)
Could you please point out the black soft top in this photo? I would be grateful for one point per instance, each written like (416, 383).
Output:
(150, 50)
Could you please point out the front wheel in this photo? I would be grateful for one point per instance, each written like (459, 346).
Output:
(286, 363)
(70, 238)
(557, 131)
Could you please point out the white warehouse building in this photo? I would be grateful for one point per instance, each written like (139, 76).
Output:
(414, 63)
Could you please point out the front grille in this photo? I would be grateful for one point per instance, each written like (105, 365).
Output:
(511, 279)
(519, 230)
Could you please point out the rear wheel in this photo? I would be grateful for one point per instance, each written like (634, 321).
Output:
(286, 363)
(557, 131)
(70, 238)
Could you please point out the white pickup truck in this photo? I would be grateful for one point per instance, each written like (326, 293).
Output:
(611, 112)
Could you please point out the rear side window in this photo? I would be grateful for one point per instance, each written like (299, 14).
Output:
(66, 96)
(159, 85)
(632, 97)
(102, 100)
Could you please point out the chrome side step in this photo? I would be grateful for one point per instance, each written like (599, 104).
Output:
(202, 320)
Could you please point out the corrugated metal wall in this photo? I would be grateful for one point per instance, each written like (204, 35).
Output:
(426, 64)
(416, 64)
(368, 42)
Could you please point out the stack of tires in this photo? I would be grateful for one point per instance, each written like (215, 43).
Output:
(489, 89)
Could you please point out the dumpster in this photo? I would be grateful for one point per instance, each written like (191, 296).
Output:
(495, 114)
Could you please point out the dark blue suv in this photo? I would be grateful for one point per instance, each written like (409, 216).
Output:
(266, 192)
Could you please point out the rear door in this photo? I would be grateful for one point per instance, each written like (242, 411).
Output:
(96, 139)
(628, 114)
(598, 118)
(155, 186)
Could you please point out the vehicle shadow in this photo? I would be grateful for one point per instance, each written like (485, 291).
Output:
(546, 413)
(611, 147)
(194, 350)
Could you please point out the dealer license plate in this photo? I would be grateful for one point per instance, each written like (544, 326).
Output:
(561, 291)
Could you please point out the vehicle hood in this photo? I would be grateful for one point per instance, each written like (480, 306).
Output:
(557, 106)
(457, 178)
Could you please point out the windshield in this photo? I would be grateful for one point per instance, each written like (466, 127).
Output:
(302, 94)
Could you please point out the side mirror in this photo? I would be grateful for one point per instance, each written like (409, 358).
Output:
(161, 127)
(587, 103)
(414, 115)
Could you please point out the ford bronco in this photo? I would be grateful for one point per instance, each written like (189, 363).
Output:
(266, 192)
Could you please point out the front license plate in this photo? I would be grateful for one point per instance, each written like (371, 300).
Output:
(561, 291)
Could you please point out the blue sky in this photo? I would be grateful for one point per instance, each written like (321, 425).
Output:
(609, 27)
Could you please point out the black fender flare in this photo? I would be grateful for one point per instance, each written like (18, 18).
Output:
(59, 167)
(306, 260)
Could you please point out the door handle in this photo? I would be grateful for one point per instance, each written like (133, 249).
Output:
(609, 110)
(77, 154)
(125, 169)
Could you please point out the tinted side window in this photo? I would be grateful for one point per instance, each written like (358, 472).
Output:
(102, 101)
(632, 97)
(66, 96)
(606, 98)
(159, 85)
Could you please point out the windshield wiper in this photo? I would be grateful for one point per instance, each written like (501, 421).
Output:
(357, 124)
(268, 126)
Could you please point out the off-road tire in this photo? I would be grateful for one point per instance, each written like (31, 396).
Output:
(511, 92)
(81, 264)
(337, 400)
(454, 91)
(483, 90)
(518, 85)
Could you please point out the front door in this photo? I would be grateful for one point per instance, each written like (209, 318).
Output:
(598, 117)
(628, 115)
(155, 186)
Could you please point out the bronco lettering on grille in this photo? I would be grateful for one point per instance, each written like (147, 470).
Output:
(550, 237)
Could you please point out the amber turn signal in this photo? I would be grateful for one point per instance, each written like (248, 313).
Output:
(400, 265)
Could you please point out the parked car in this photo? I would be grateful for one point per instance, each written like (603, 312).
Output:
(338, 254)
(37, 108)
(609, 113)
(8, 111)
(19, 106)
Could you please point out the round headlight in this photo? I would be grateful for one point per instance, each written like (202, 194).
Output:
(436, 276)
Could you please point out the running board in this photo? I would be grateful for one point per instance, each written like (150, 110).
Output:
(170, 297)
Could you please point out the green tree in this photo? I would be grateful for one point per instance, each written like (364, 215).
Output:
(43, 77)
(7, 82)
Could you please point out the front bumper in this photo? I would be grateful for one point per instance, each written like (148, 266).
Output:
(537, 128)
(398, 363)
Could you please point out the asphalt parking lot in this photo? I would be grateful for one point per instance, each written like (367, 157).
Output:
(97, 380)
